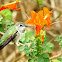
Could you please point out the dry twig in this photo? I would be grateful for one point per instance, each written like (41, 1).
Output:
(56, 56)
(1, 33)
(57, 17)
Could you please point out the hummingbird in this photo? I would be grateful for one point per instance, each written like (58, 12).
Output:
(14, 33)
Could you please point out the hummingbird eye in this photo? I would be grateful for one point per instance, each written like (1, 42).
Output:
(21, 25)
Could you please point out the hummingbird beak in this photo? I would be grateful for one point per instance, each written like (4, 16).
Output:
(29, 26)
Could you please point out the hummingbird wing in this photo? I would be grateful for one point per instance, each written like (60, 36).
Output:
(8, 40)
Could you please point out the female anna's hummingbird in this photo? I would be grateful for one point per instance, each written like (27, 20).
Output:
(14, 33)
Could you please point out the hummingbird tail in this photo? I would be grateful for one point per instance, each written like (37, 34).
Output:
(1, 46)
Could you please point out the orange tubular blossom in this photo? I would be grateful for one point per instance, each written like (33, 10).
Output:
(35, 21)
(47, 15)
(40, 19)
(12, 6)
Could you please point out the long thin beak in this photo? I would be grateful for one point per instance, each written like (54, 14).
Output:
(29, 26)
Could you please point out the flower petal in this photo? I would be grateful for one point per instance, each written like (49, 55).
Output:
(33, 14)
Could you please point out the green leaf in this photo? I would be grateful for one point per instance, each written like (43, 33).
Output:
(40, 59)
(33, 53)
(1, 28)
(46, 59)
(28, 34)
(59, 38)
(47, 46)
(45, 55)
(7, 13)
(31, 60)
(26, 50)
(3, 21)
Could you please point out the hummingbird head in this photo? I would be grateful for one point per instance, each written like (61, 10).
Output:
(21, 27)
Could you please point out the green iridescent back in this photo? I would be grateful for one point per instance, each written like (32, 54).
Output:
(10, 32)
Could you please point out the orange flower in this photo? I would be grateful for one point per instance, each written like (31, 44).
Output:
(12, 6)
(47, 15)
(35, 21)
(40, 19)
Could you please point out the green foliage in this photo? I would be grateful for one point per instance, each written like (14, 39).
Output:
(7, 13)
(43, 58)
(47, 46)
(31, 60)
(33, 47)
(45, 55)
(59, 39)
(40, 59)
(5, 20)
